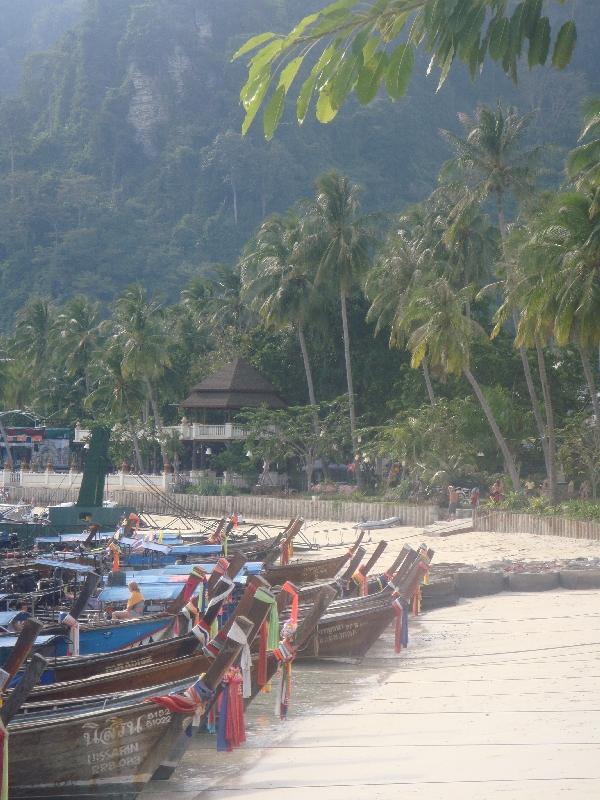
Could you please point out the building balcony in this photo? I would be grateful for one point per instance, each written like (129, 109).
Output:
(198, 432)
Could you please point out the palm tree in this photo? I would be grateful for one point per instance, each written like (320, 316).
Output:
(116, 393)
(138, 328)
(400, 267)
(33, 336)
(583, 163)
(76, 332)
(532, 296)
(492, 162)
(442, 332)
(225, 307)
(340, 240)
(279, 283)
(563, 256)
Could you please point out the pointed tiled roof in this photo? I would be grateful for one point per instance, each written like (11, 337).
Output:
(237, 385)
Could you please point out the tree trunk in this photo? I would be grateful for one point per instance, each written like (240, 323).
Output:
(507, 455)
(550, 427)
(309, 379)
(136, 444)
(4, 437)
(350, 385)
(535, 403)
(589, 377)
(428, 383)
(307, 369)
(157, 421)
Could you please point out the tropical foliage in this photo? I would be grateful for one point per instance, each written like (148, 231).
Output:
(358, 47)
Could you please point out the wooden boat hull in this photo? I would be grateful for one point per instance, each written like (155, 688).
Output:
(134, 677)
(305, 571)
(348, 635)
(73, 669)
(110, 637)
(109, 754)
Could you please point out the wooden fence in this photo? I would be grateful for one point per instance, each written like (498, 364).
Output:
(251, 507)
(509, 522)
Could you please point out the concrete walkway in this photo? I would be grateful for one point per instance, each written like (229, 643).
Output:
(496, 698)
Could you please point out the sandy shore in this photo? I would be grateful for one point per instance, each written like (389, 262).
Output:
(468, 548)
(495, 698)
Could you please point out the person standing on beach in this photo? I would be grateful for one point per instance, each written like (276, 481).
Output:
(497, 491)
(475, 494)
(452, 502)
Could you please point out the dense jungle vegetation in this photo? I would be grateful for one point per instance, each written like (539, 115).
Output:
(144, 241)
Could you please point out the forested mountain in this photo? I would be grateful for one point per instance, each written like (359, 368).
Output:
(120, 153)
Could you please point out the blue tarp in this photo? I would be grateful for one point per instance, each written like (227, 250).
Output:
(56, 563)
(158, 591)
(6, 617)
(64, 538)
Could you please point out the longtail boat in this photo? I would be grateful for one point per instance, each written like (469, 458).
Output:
(104, 752)
(306, 571)
(173, 660)
(354, 579)
(263, 672)
(99, 635)
(71, 668)
(350, 627)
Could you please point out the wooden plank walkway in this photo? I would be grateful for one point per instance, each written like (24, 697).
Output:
(495, 699)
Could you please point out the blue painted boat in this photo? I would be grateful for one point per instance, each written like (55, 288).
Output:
(118, 635)
(151, 554)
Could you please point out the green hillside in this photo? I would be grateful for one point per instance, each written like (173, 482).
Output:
(120, 153)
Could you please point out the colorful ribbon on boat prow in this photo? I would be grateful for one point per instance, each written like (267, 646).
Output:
(73, 626)
(202, 632)
(422, 579)
(287, 551)
(400, 608)
(231, 727)
(236, 634)
(289, 588)
(285, 654)
(221, 567)
(195, 700)
(360, 579)
(114, 548)
(268, 636)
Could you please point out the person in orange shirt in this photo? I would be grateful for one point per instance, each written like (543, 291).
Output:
(135, 603)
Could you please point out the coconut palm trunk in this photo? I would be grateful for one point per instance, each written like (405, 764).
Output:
(136, 445)
(428, 383)
(533, 396)
(588, 371)
(350, 383)
(550, 426)
(157, 420)
(489, 414)
(307, 369)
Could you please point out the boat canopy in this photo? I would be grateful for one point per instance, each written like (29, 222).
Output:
(157, 591)
(183, 570)
(65, 538)
(56, 563)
